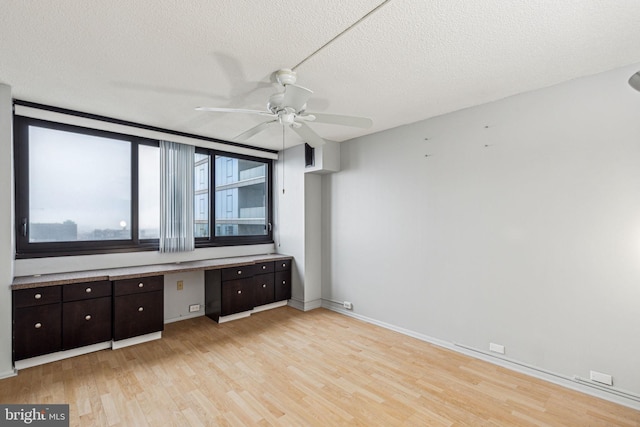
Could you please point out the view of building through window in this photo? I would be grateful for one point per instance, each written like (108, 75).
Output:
(201, 195)
(148, 192)
(240, 197)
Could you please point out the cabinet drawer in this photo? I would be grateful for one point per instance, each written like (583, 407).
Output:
(134, 286)
(283, 265)
(86, 322)
(36, 296)
(265, 267)
(138, 314)
(283, 285)
(234, 273)
(264, 288)
(87, 290)
(237, 296)
(36, 331)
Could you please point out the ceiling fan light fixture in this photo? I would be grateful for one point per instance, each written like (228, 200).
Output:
(634, 81)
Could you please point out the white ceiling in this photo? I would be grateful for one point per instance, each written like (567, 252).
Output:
(153, 61)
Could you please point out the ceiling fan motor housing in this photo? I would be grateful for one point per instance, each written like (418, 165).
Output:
(286, 76)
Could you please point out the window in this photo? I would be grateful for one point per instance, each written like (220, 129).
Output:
(87, 191)
(241, 200)
(201, 194)
(148, 192)
(85, 194)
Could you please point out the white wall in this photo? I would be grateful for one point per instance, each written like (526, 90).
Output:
(521, 227)
(177, 302)
(6, 228)
(289, 215)
(298, 226)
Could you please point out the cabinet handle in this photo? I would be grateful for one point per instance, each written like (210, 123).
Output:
(284, 282)
(141, 285)
(38, 325)
(239, 292)
(264, 267)
(140, 308)
(87, 317)
(88, 290)
(37, 296)
(284, 264)
(239, 271)
(264, 286)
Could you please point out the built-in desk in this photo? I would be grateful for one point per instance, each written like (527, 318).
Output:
(65, 314)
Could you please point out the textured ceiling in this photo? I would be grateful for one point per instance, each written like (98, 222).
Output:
(153, 61)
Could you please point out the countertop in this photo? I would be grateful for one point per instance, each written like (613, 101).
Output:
(35, 281)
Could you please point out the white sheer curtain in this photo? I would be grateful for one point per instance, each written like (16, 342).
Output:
(176, 197)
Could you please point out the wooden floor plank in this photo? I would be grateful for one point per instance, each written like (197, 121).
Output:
(288, 368)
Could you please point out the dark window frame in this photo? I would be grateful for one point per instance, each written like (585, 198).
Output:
(213, 240)
(25, 249)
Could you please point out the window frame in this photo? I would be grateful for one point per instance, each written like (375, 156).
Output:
(25, 249)
(213, 240)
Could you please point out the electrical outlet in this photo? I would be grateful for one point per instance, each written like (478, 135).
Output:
(194, 307)
(496, 348)
(347, 305)
(180, 285)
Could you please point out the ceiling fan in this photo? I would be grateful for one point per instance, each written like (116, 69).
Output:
(288, 108)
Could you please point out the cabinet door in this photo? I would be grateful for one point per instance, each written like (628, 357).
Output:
(237, 296)
(264, 289)
(86, 290)
(36, 331)
(264, 267)
(86, 322)
(283, 285)
(234, 273)
(138, 314)
(283, 265)
(138, 285)
(36, 296)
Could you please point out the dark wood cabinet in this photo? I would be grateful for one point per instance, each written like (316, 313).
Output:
(36, 329)
(282, 285)
(138, 307)
(49, 317)
(264, 289)
(240, 289)
(86, 322)
(54, 318)
(86, 314)
(237, 295)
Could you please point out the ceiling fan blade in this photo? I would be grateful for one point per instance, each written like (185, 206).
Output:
(337, 119)
(308, 135)
(295, 96)
(236, 110)
(254, 130)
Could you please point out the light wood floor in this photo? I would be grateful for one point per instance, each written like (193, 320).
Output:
(286, 367)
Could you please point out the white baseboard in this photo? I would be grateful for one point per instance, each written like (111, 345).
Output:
(611, 394)
(235, 316)
(185, 317)
(136, 340)
(242, 315)
(305, 306)
(54, 357)
(269, 306)
(8, 374)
